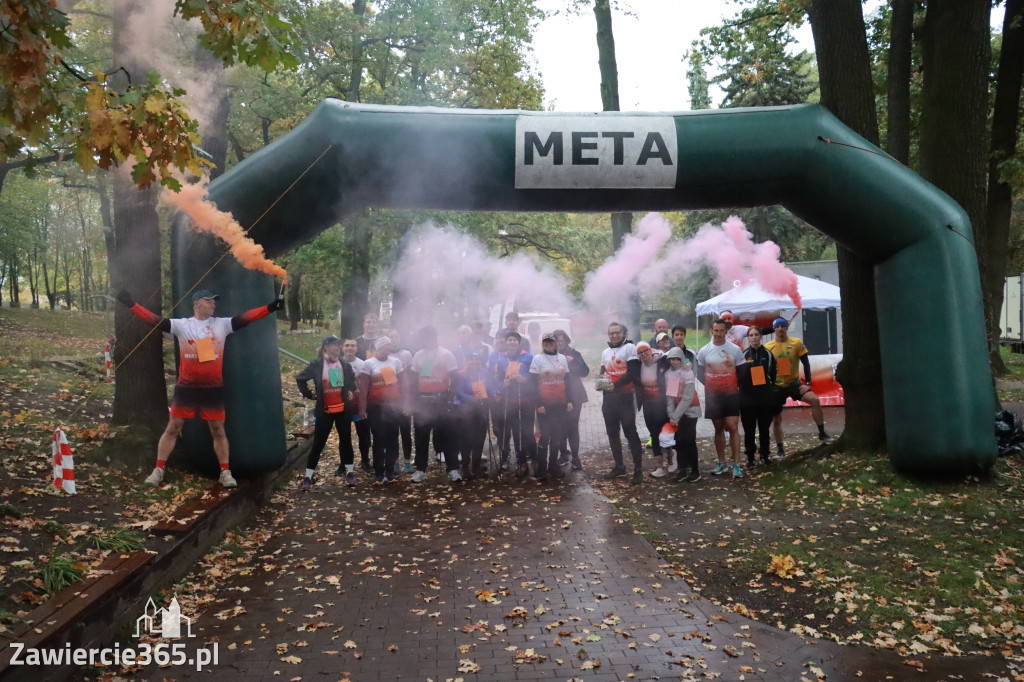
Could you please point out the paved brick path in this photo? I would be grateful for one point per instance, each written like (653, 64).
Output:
(386, 584)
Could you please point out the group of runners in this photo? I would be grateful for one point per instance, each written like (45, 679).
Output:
(745, 380)
(401, 402)
(452, 399)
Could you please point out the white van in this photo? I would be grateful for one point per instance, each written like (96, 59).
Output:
(534, 326)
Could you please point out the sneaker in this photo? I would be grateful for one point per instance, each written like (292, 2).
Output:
(672, 465)
(307, 483)
(226, 479)
(649, 442)
(395, 468)
(365, 465)
(736, 471)
(659, 473)
(693, 477)
(719, 469)
(408, 466)
(418, 476)
(826, 439)
(454, 476)
(523, 471)
(779, 454)
(616, 472)
(638, 477)
(577, 465)
(340, 471)
(155, 478)
(389, 478)
(350, 479)
(378, 480)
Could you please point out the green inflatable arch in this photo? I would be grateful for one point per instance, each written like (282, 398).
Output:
(937, 385)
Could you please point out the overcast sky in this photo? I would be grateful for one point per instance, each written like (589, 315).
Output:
(650, 47)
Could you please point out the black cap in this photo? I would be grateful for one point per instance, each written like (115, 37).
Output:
(204, 293)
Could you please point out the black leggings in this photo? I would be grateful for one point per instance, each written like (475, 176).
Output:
(572, 432)
(515, 421)
(655, 416)
(551, 423)
(619, 411)
(322, 430)
(384, 425)
(757, 417)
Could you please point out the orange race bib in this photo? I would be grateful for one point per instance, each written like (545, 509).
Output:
(204, 349)
(757, 375)
(784, 367)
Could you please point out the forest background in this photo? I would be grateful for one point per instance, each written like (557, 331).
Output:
(106, 103)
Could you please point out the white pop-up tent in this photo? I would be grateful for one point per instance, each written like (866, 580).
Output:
(814, 294)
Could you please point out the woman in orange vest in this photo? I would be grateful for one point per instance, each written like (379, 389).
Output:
(333, 384)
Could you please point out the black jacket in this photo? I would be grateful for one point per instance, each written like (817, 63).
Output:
(763, 395)
(577, 370)
(315, 371)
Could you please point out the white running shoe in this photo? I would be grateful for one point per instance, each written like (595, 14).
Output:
(155, 478)
(672, 466)
(227, 480)
(418, 476)
(659, 472)
(454, 476)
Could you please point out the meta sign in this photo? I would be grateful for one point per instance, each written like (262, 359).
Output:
(599, 152)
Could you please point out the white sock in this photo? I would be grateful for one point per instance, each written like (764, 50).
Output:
(309, 473)
(349, 468)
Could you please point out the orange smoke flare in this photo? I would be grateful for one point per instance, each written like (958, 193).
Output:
(207, 218)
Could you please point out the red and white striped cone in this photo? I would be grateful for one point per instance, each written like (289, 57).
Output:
(63, 463)
(106, 356)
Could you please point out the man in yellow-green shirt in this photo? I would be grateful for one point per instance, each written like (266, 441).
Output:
(788, 351)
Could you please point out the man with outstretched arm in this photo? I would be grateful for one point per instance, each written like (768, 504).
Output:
(200, 385)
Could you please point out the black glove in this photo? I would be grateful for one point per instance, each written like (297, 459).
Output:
(125, 298)
(275, 305)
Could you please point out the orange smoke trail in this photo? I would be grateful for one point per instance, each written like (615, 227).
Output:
(207, 218)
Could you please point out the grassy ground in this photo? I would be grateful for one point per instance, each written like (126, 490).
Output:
(52, 373)
(844, 547)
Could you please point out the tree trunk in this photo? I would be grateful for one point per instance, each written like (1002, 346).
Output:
(140, 394)
(51, 296)
(213, 129)
(898, 112)
(844, 69)
(622, 223)
(356, 294)
(953, 153)
(294, 302)
(355, 78)
(1004, 147)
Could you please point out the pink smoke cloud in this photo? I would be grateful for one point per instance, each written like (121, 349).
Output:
(650, 260)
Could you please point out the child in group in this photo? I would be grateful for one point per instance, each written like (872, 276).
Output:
(683, 406)
(333, 383)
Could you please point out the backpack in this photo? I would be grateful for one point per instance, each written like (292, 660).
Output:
(1009, 433)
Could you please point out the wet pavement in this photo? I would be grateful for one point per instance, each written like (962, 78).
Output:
(497, 579)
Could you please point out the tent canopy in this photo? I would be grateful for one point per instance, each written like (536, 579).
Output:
(815, 295)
